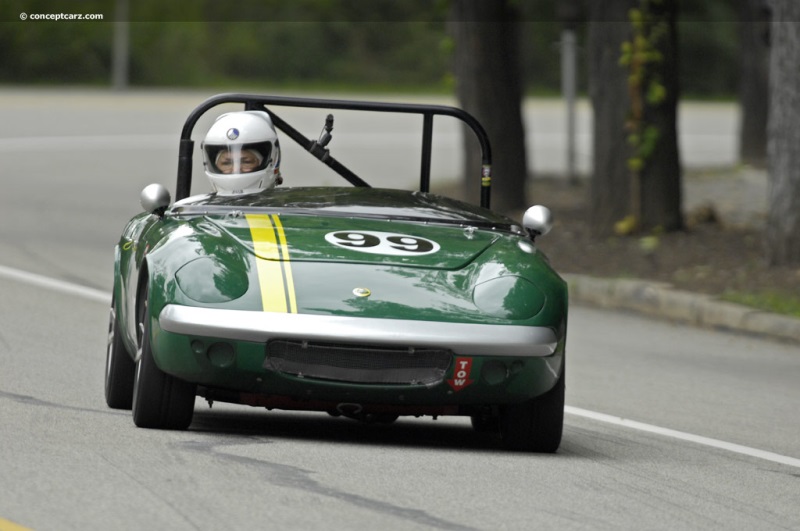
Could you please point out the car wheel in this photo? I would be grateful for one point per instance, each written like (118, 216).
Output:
(160, 401)
(535, 425)
(119, 367)
(485, 423)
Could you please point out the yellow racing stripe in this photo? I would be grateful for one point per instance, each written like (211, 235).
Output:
(7, 525)
(287, 265)
(274, 267)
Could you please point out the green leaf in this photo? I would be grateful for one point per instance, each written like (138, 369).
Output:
(635, 164)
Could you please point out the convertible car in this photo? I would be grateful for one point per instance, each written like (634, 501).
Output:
(368, 303)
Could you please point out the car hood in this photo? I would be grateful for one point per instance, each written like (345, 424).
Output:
(359, 254)
(303, 238)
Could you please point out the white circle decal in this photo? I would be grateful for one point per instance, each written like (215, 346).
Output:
(388, 243)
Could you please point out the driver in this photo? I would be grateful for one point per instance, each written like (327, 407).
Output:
(241, 153)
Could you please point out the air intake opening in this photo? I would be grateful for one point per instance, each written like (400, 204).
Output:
(358, 363)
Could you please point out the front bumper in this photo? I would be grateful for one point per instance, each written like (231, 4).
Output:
(461, 338)
(504, 364)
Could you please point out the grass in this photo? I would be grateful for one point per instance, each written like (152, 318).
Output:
(768, 301)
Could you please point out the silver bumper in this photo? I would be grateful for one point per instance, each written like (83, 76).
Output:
(462, 339)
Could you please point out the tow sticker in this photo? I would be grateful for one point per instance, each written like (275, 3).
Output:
(461, 373)
(388, 243)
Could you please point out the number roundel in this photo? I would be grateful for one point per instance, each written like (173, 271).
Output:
(387, 243)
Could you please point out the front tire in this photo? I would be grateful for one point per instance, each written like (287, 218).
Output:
(120, 367)
(535, 425)
(160, 400)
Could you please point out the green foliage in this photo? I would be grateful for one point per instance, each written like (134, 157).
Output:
(28, 50)
(168, 54)
(641, 57)
(769, 301)
(401, 44)
(208, 42)
(708, 45)
(649, 141)
(649, 244)
(656, 93)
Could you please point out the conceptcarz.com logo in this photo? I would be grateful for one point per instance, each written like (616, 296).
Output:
(61, 16)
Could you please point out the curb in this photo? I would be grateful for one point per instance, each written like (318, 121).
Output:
(661, 300)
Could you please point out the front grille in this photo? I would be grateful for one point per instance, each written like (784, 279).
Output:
(358, 363)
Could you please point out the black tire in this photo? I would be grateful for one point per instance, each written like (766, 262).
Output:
(535, 425)
(160, 401)
(120, 368)
(485, 423)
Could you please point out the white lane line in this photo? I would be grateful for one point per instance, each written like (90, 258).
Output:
(102, 296)
(55, 284)
(716, 443)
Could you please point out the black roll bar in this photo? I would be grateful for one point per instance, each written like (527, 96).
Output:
(256, 102)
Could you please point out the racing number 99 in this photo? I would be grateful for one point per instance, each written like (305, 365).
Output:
(410, 244)
(356, 239)
(382, 243)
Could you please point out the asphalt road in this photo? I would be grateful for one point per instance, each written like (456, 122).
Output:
(667, 427)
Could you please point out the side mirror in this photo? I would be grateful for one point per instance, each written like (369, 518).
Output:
(155, 199)
(538, 220)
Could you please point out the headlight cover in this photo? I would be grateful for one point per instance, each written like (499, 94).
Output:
(509, 297)
(207, 280)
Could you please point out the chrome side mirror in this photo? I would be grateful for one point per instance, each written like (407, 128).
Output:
(155, 199)
(538, 220)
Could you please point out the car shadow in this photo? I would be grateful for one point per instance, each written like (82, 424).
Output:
(320, 427)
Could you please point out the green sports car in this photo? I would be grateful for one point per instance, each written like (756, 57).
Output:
(356, 301)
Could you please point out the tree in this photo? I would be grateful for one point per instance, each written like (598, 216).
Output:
(610, 183)
(783, 221)
(489, 87)
(754, 80)
(637, 174)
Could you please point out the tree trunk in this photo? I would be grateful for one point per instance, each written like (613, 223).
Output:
(610, 185)
(783, 147)
(661, 174)
(637, 174)
(489, 86)
(754, 81)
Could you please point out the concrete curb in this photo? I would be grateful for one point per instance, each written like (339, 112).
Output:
(661, 300)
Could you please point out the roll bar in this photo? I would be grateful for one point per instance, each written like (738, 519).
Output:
(317, 148)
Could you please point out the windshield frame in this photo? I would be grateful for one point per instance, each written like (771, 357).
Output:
(319, 150)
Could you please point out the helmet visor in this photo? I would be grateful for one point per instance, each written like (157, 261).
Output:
(238, 158)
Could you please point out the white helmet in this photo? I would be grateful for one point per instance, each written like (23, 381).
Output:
(241, 153)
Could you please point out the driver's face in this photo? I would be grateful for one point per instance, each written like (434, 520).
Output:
(247, 161)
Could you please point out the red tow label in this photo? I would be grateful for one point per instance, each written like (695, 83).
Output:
(461, 373)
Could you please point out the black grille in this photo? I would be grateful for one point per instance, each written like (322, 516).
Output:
(357, 363)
